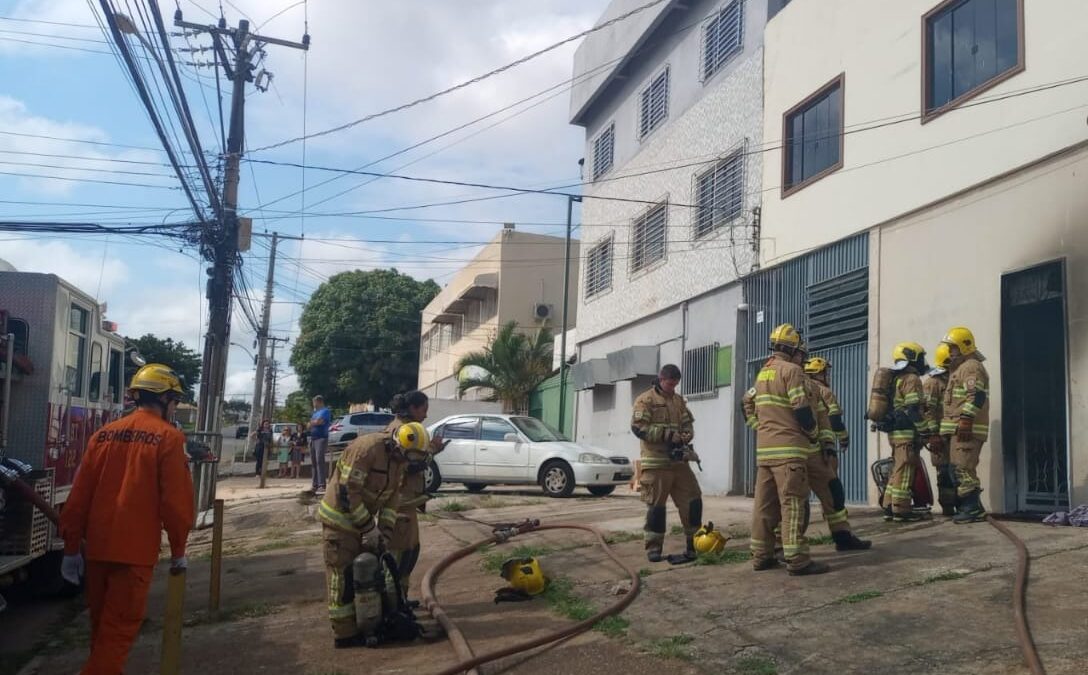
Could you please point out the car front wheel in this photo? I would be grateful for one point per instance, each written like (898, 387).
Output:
(475, 487)
(601, 490)
(432, 478)
(557, 479)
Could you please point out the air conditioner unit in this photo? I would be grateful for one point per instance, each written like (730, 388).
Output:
(542, 312)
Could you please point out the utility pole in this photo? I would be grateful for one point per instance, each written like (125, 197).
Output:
(262, 342)
(269, 408)
(220, 240)
(563, 336)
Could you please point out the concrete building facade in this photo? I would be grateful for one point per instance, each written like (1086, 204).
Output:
(951, 134)
(672, 107)
(517, 276)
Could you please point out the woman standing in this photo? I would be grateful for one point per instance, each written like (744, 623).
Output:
(263, 436)
(411, 407)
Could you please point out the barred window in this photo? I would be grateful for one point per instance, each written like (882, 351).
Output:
(723, 36)
(599, 269)
(603, 148)
(648, 237)
(701, 371)
(719, 195)
(653, 106)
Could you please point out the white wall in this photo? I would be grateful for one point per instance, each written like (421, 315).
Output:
(942, 267)
(890, 171)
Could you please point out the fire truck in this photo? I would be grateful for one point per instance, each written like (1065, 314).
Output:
(61, 378)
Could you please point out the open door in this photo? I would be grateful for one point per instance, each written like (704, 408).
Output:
(1034, 390)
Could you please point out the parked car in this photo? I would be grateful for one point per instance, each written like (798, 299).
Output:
(351, 426)
(278, 428)
(242, 431)
(493, 449)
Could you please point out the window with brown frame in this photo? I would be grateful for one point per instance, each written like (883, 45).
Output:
(969, 46)
(812, 133)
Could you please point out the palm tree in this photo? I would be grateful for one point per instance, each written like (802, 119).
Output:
(513, 364)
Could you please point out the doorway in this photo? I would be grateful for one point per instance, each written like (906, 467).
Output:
(1034, 406)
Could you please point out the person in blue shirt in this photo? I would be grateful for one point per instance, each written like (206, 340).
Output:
(320, 422)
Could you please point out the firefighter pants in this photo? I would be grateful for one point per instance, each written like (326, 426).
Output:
(781, 496)
(677, 481)
(964, 456)
(897, 494)
(823, 479)
(117, 599)
(405, 544)
(340, 550)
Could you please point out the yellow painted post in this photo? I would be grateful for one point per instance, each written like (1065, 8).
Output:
(171, 630)
(217, 557)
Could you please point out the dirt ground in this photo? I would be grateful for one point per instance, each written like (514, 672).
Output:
(929, 597)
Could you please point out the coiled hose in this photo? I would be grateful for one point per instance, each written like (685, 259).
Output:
(1023, 631)
(468, 660)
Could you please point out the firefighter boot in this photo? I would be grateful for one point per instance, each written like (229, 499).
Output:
(888, 515)
(813, 567)
(846, 541)
(689, 554)
(970, 509)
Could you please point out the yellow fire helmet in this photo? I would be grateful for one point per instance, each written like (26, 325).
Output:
(412, 437)
(785, 335)
(942, 356)
(158, 379)
(962, 338)
(524, 574)
(816, 365)
(905, 353)
(709, 540)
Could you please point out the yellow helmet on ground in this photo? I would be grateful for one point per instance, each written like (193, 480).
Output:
(942, 356)
(157, 379)
(962, 338)
(412, 436)
(908, 352)
(525, 575)
(816, 365)
(709, 540)
(785, 335)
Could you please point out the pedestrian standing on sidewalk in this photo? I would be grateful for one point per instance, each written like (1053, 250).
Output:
(319, 442)
(263, 447)
(283, 451)
(298, 442)
(133, 482)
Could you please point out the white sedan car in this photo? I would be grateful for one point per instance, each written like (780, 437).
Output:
(493, 449)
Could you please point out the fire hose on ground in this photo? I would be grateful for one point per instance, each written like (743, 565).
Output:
(468, 659)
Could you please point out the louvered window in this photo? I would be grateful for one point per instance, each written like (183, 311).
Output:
(838, 311)
(719, 195)
(648, 237)
(701, 372)
(654, 104)
(603, 149)
(723, 36)
(599, 269)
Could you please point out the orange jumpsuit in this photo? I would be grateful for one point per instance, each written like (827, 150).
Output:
(133, 482)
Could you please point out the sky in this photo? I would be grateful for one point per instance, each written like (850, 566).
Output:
(71, 112)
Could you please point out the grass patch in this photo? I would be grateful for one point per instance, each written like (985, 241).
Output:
(756, 665)
(944, 576)
(253, 611)
(271, 545)
(855, 598)
(493, 558)
(674, 647)
(453, 506)
(821, 540)
(645, 572)
(613, 626)
(561, 598)
(733, 556)
(623, 537)
(676, 530)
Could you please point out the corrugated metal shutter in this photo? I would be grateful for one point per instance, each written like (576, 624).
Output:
(824, 295)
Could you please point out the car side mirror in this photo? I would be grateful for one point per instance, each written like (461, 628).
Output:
(511, 438)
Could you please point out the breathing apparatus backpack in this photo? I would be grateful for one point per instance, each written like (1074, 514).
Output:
(880, 410)
(382, 612)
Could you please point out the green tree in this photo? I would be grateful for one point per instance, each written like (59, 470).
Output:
(296, 408)
(183, 360)
(236, 409)
(513, 364)
(359, 338)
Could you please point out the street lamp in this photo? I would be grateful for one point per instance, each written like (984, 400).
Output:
(248, 353)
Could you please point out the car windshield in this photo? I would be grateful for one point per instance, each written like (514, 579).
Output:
(537, 431)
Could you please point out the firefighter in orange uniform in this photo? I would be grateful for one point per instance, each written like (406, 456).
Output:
(133, 483)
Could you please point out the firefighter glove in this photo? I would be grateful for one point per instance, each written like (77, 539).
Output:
(71, 568)
(178, 565)
(690, 455)
(965, 429)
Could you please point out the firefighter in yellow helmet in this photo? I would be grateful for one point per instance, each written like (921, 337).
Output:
(908, 429)
(358, 514)
(664, 426)
(779, 409)
(823, 464)
(933, 404)
(966, 420)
